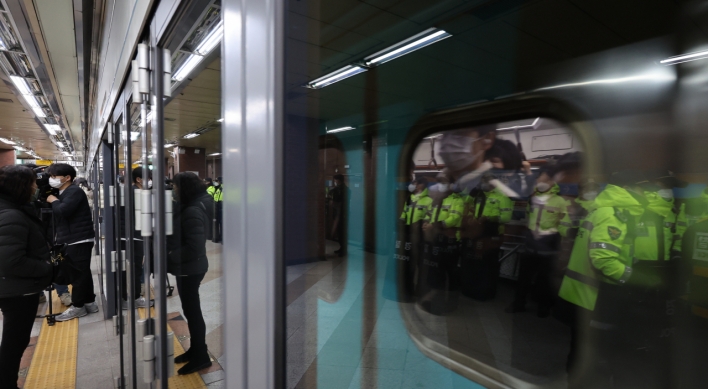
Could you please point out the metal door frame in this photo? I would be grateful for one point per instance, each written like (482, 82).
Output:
(252, 103)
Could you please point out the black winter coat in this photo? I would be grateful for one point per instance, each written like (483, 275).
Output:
(72, 216)
(187, 245)
(24, 252)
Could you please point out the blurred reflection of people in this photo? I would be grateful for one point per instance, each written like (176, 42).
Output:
(463, 152)
(546, 210)
(438, 271)
(409, 245)
(483, 229)
(609, 290)
(340, 197)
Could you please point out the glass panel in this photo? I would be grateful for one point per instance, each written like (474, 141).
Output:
(478, 194)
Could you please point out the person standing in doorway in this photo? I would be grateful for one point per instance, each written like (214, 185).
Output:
(74, 227)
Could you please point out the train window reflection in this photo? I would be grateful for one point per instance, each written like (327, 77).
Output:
(483, 241)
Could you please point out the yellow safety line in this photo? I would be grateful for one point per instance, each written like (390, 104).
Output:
(54, 362)
(189, 381)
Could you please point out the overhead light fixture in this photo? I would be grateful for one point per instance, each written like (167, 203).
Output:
(19, 148)
(220, 120)
(418, 41)
(211, 40)
(60, 144)
(685, 58)
(213, 154)
(340, 129)
(53, 129)
(7, 141)
(167, 146)
(26, 92)
(191, 135)
(336, 76)
(3, 46)
(187, 67)
(66, 153)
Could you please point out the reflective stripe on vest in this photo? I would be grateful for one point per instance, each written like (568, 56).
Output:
(582, 278)
(606, 246)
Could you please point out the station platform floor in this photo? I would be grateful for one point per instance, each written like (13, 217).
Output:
(345, 331)
(91, 359)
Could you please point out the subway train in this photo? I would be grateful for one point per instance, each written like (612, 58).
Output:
(399, 194)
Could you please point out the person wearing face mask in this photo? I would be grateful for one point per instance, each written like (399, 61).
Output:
(218, 196)
(545, 211)
(438, 278)
(139, 183)
(74, 227)
(484, 228)
(568, 227)
(463, 152)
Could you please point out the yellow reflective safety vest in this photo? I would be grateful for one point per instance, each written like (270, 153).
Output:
(694, 254)
(602, 251)
(417, 208)
(498, 207)
(670, 229)
(210, 190)
(449, 212)
(545, 212)
(218, 194)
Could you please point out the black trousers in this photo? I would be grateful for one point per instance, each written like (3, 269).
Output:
(188, 287)
(18, 316)
(218, 215)
(535, 267)
(137, 271)
(80, 273)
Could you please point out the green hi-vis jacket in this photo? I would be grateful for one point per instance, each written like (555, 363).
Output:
(417, 208)
(449, 212)
(498, 207)
(694, 256)
(210, 190)
(602, 249)
(218, 194)
(545, 212)
(569, 222)
(650, 239)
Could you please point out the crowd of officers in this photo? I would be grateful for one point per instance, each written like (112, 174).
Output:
(637, 270)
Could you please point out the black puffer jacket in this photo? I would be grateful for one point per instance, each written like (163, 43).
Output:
(72, 216)
(187, 245)
(24, 252)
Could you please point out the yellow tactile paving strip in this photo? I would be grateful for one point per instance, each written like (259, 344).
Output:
(54, 361)
(190, 381)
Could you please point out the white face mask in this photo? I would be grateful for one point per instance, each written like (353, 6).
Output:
(456, 151)
(411, 188)
(666, 194)
(55, 182)
(216, 184)
(543, 186)
(589, 196)
(149, 184)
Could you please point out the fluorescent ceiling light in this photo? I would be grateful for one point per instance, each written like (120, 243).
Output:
(34, 104)
(211, 40)
(213, 154)
(66, 153)
(26, 92)
(409, 45)
(685, 58)
(167, 146)
(53, 129)
(7, 141)
(191, 135)
(19, 148)
(3, 46)
(340, 129)
(220, 120)
(21, 85)
(187, 67)
(336, 76)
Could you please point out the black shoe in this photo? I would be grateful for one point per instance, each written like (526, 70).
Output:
(183, 357)
(194, 366)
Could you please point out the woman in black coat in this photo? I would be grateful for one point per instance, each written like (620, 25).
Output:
(187, 260)
(24, 267)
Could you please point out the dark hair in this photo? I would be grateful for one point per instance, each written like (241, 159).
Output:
(62, 169)
(138, 173)
(507, 152)
(16, 183)
(190, 187)
(209, 180)
(83, 182)
(221, 181)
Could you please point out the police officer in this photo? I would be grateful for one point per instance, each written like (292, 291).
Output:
(545, 212)
(219, 208)
(409, 244)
